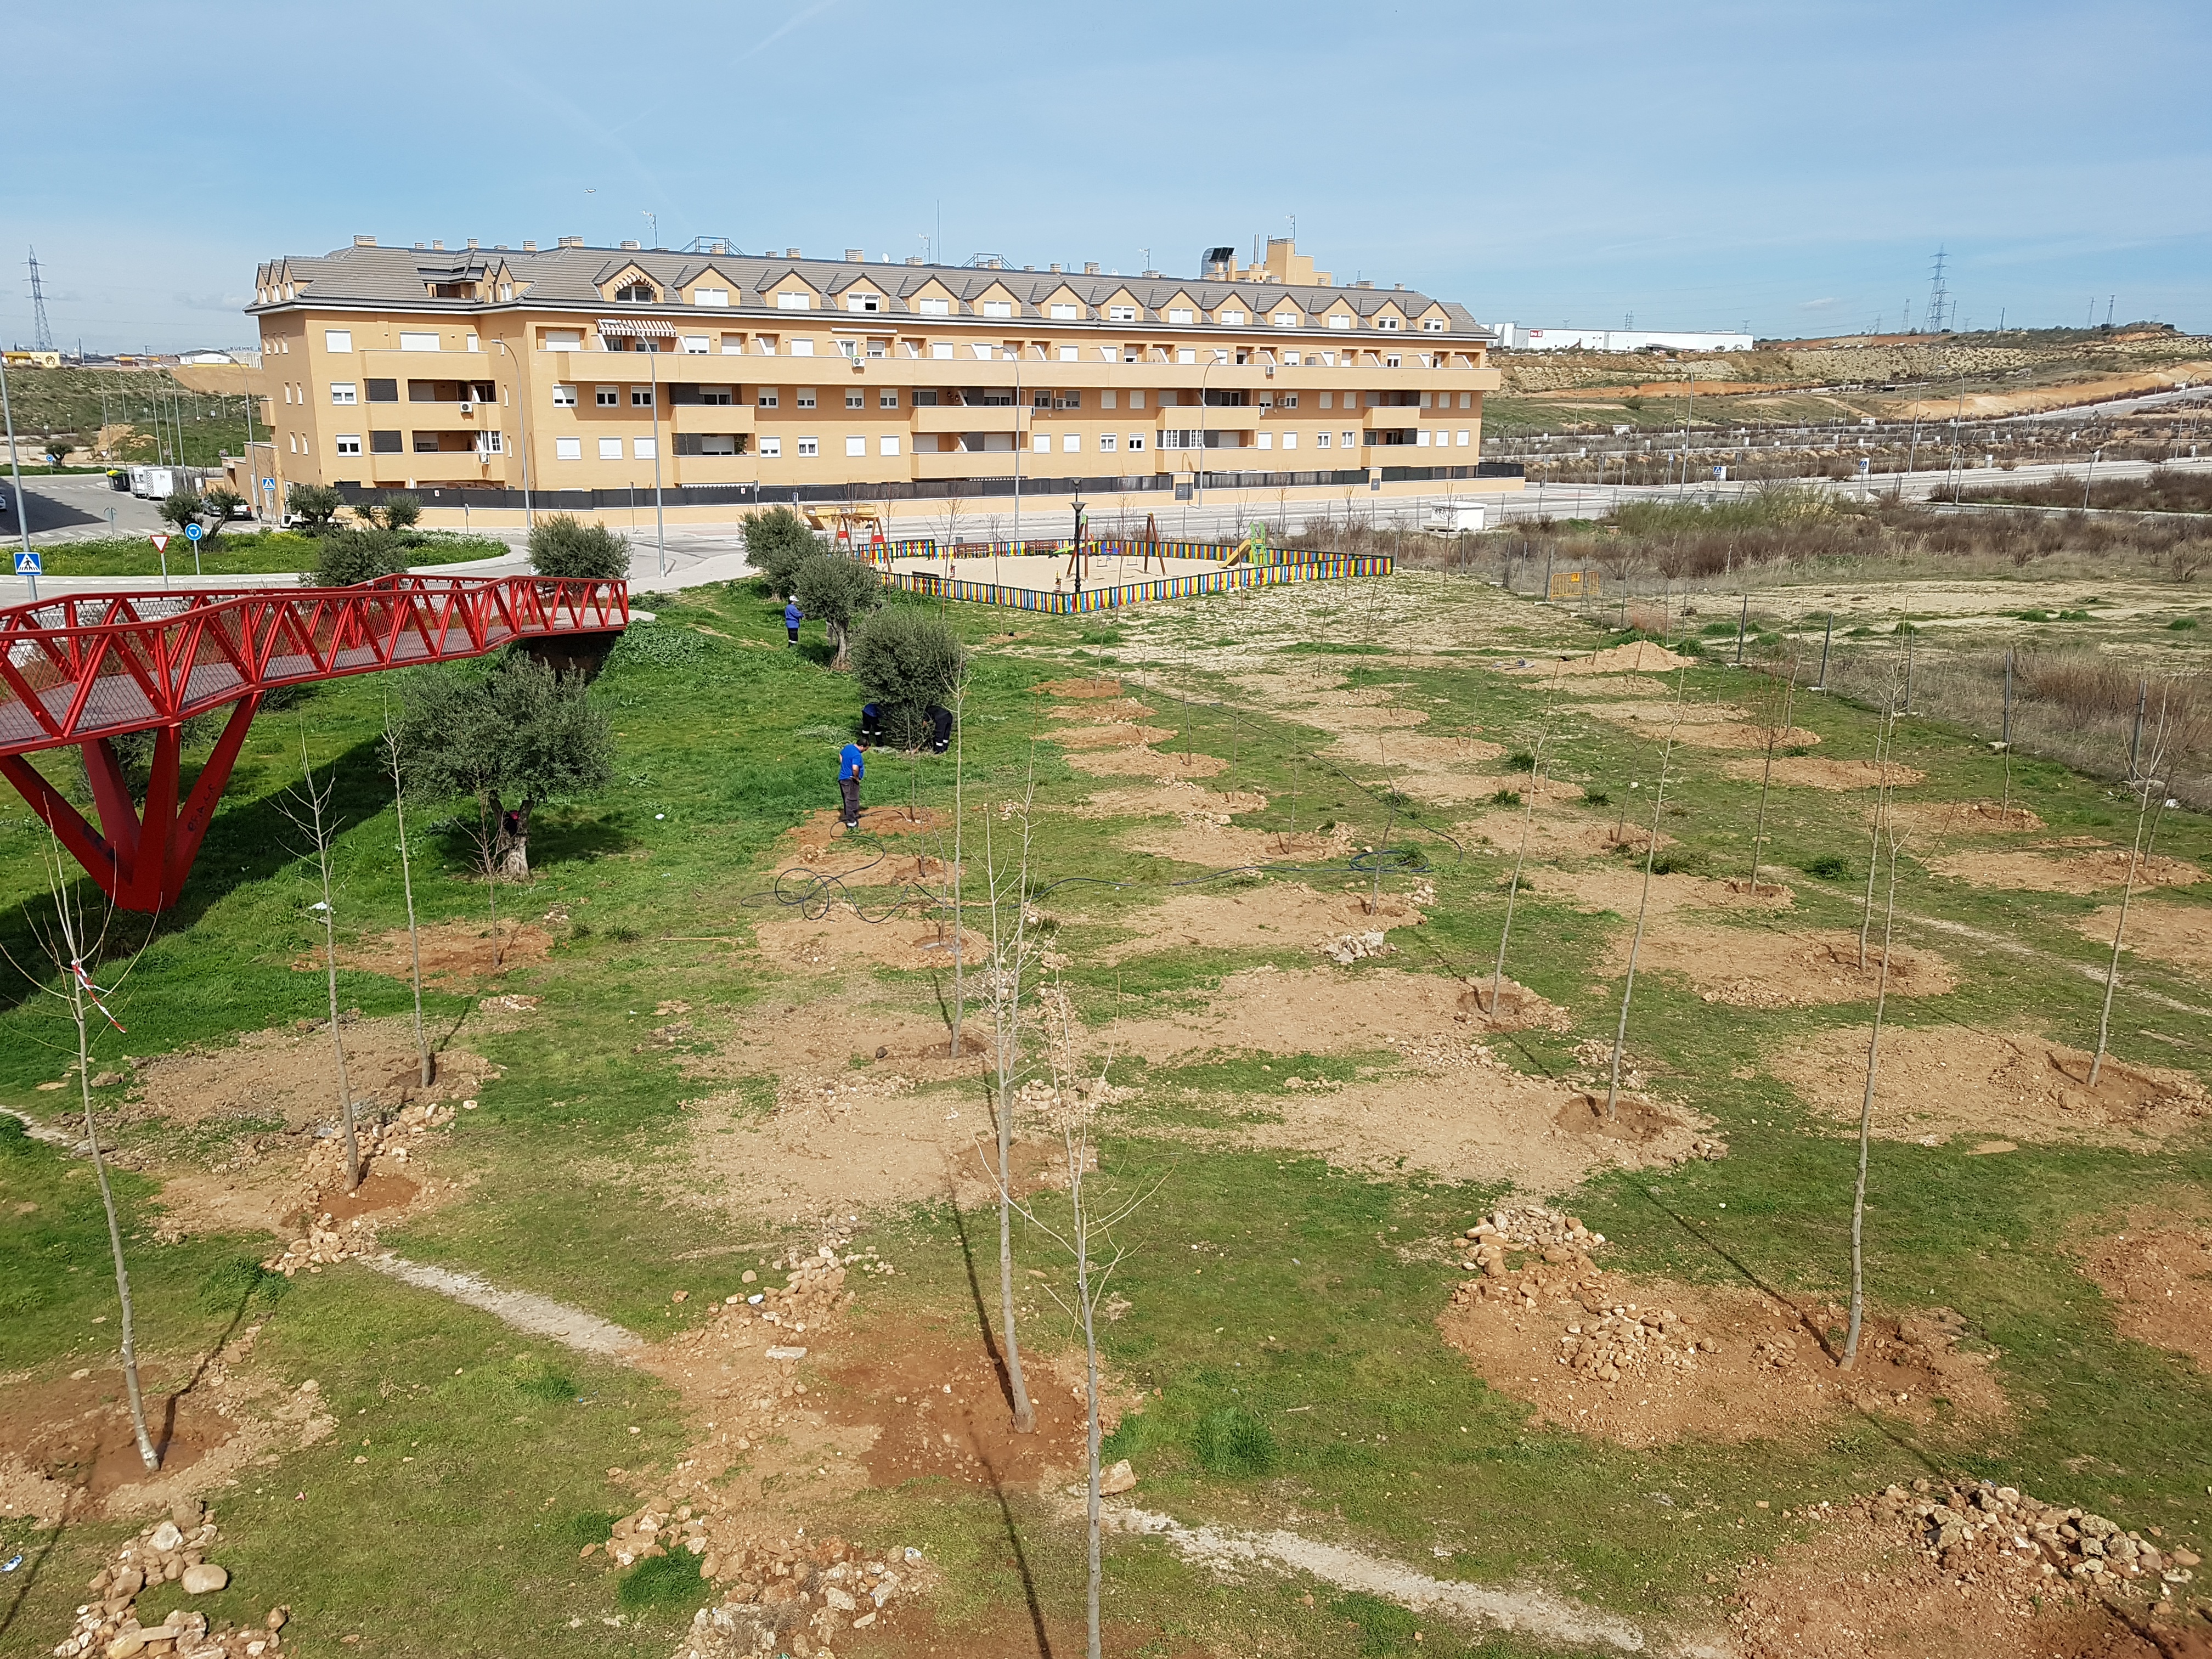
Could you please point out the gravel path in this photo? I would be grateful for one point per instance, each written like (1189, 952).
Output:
(539, 1315)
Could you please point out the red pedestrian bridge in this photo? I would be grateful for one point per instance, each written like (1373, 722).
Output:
(85, 669)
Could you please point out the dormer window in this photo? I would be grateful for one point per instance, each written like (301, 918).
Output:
(1432, 324)
(636, 293)
(710, 296)
(794, 302)
(1120, 313)
(1287, 320)
(864, 303)
(1066, 314)
(1387, 324)
(1233, 318)
(997, 308)
(1181, 315)
(935, 307)
(506, 292)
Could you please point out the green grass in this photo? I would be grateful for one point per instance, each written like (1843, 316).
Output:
(240, 553)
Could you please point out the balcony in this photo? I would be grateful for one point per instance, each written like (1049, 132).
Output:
(972, 418)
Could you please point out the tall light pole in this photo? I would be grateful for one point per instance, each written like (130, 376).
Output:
(1021, 438)
(522, 421)
(648, 329)
(1198, 475)
(15, 468)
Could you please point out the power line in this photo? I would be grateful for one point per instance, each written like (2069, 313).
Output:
(1939, 299)
(42, 336)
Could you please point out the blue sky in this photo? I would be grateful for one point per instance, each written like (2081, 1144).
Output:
(1793, 166)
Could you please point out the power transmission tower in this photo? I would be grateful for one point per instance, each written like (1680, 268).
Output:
(1939, 299)
(42, 335)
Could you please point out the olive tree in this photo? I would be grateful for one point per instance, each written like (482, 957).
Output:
(181, 508)
(840, 591)
(564, 545)
(313, 505)
(347, 556)
(777, 541)
(400, 511)
(906, 661)
(220, 502)
(511, 740)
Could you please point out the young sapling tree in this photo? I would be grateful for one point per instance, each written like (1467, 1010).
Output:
(427, 1067)
(312, 818)
(2149, 786)
(1866, 1122)
(1010, 949)
(1644, 904)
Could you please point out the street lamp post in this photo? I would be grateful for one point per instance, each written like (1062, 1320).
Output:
(648, 329)
(522, 421)
(16, 471)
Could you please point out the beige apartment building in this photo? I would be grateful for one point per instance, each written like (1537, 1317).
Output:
(582, 374)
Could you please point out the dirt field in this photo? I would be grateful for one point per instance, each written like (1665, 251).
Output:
(2156, 1270)
(1766, 968)
(2178, 935)
(2096, 870)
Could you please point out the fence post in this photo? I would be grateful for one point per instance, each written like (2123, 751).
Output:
(1827, 635)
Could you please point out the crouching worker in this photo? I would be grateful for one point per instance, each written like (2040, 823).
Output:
(851, 766)
(940, 727)
(872, 724)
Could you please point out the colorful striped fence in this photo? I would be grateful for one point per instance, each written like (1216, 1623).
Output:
(1321, 566)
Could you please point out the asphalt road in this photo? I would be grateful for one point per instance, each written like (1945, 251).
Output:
(74, 507)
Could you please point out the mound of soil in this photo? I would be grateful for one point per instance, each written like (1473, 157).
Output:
(1638, 657)
(1426, 755)
(454, 953)
(942, 1409)
(2157, 1272)
(1766, 968)
(1171, 798)
(1879, 1578)
(1144, 764)
(1963, 817)
(1108, 708)
(2098, 870)
(1109, 736)
(1352, 719)
(812, 835)
(1805, 772)
(1619, 887)
(2179, 935)
(287, 1077)
(1937, 1082)
(1645, 1362)
(1079, 689)
(1556, 835)
(899, 937)
(1268, 915)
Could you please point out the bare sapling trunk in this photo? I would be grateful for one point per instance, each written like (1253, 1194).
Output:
(317, 824)
(1884, 741)
(1866, 1124)
(488, 862)
(426, 1067)
(68, 946)
(1774, 733)
(1643, 905)
(1009, 957)
(1520, 858)
(959, 821)
(2152, 787)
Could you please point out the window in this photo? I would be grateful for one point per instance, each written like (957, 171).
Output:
(1387, 324)
(641, 396)
(794, 301)
(887, 446)
(491, 443)
(767, 345)
(469, 343)
(848, 347)
(561, 339)
(607, 396)
(1106, 441)
(1267, 440)
(611, 449)
(771, 448)
(1072, 442)
(1321, 440)
(1120, 313)
(1432, 324)
(864, 303)
(1459, 440)
(426, 443)
(348, 443)
(568, 449)
(1329, 359)
(1182, 314)
(710, 296)
(1421, 438)
(855, 399)
(291, 443)
(856, 445)
(1328, 400)
(695, 344)
(1041, 443)
(1233, 318)
(1287, 320)
(342, 393)
(1136, 442)
(1290, 440)
(879, 347)
(733, 345)
(940, 348)
(1391, 359)
(1136, 400)
(384, 443)
(1289, 400)
(636, 293)
(985, 350)
(382, 391)
(338, 339)
(1070, 354)
(802, 348)
(1339, 322)
(935, 307)
(767, 398)
(1186, 356)
(1107, 399)
(709, 443)
(1347, 443)
(997, 308)
(564, 395)
(1066, 314)
(804, 398)
(418, 341)
(641, 449)
(809, 446)
(716, 394)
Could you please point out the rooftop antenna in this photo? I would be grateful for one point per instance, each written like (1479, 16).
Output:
(42, 336)
(653, 221)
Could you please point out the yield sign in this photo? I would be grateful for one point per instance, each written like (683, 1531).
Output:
(160, 540)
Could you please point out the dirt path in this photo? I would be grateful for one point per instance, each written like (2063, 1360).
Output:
(1538, 1612)
(538, 1316)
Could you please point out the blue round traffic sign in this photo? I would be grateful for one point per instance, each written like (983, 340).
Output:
(193, 532)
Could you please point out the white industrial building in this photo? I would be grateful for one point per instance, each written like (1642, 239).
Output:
(1515, 337)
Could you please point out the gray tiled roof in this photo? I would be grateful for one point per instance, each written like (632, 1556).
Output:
(574, 277)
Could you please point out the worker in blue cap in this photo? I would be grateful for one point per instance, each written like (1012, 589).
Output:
(793, 616)
(852, 766)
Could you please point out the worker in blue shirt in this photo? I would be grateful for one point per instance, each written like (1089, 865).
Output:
(851, 766)
(793, 616)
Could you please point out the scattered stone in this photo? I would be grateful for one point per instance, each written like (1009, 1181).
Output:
(1348, 948)
(173, 1550)
(205, 1579)
(1118, 1479)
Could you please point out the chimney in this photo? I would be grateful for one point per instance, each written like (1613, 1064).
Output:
(530, 247)
(631, 245)
(1401, 287)
(1054, 268)
(472, 242)
(435, 243)
(499, 247)
(854, 256)
(1091, 267)
(420, 247)
(572, 242)
(1154, 275)
(1364, 284)
(913, 259)
(364, 241)
(791, 253)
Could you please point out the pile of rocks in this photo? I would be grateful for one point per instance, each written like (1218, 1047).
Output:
(1632, 1342)
(392, 1141)
(1561, 1244)
(1973, 1526)
(1348, 948)
(813, 1289)
(172, 1551)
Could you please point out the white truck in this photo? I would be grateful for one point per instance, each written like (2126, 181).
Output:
(158, 483)
(1456, 519)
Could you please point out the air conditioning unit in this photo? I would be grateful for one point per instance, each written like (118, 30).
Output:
(467, 408)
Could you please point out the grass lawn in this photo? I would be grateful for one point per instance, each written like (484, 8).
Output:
(240, 554)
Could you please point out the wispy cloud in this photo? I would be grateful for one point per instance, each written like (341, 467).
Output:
(1818, 305)
(784, 29)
